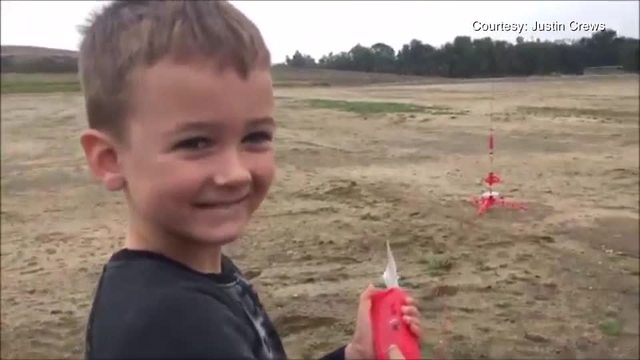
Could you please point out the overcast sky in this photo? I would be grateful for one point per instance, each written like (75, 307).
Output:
(317, 28)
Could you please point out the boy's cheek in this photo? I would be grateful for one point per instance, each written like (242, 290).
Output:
(265, 178)
(260, 165)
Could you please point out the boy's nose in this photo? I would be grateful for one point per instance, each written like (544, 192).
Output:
(231, 172)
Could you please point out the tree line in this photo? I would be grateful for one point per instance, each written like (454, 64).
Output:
(465, 58)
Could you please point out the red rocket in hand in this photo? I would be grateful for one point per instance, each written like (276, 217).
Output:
(386, 317)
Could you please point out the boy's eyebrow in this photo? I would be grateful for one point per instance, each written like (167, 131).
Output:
(267, 120)
(195, 126)
(209, 125)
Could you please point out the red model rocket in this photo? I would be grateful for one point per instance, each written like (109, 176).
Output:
(386, 317)
(491, 198)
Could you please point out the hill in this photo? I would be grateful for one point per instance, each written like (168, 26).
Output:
(34, 59)
(35, 51)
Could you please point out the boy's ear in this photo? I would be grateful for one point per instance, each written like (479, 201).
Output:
(102, 158)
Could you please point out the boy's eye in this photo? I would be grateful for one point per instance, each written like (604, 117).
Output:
(258, 137)
(195, 143)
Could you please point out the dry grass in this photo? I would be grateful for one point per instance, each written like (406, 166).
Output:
(551, 282)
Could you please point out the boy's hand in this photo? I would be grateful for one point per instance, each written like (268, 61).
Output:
(361, 345)
(395, 353)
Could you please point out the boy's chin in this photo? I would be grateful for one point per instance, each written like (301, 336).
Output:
(219, 235)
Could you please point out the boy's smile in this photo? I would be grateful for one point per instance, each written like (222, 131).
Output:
(220, 204)
(199, 157)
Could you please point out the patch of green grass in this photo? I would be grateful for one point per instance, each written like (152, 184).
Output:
(611, 327)
(577, 112)
(366, 107)
(405, 283)
(379, 283)
(35, 88)
(438, 265)
(428, 349)
(39, 83)
(408, 284)
(292, 83)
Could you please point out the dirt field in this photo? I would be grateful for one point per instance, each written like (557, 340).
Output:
(559, 280)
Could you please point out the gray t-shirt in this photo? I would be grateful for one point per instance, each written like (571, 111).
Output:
(149, 306)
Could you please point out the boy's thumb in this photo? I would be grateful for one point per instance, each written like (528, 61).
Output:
(366, 294)
(395, 353)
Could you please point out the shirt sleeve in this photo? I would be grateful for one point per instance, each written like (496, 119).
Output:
(180, 325)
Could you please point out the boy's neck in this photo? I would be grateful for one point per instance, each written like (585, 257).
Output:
(204, 259)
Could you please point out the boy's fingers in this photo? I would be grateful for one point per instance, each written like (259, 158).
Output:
(410, 311)
(411, 320)
(414, 324)
(415, 329)
(411, 302)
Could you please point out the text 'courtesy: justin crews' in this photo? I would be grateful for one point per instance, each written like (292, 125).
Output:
(538, 26)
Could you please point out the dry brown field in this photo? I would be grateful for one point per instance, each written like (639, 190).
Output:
(559, 280)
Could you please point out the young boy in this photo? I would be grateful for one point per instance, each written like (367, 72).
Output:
(180, 108)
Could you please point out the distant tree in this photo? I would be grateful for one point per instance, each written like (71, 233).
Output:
(300, 61)
(362, 58)
(603, 47)
(341, 61)
(416, 58)
(464, 59)
(384, 58)
(484, 58)
(629, 54)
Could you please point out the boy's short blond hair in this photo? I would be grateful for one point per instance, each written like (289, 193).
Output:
(127, 35)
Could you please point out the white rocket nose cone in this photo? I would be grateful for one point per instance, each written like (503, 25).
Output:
(487, 194)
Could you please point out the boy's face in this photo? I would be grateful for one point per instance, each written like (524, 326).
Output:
(199, 157)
